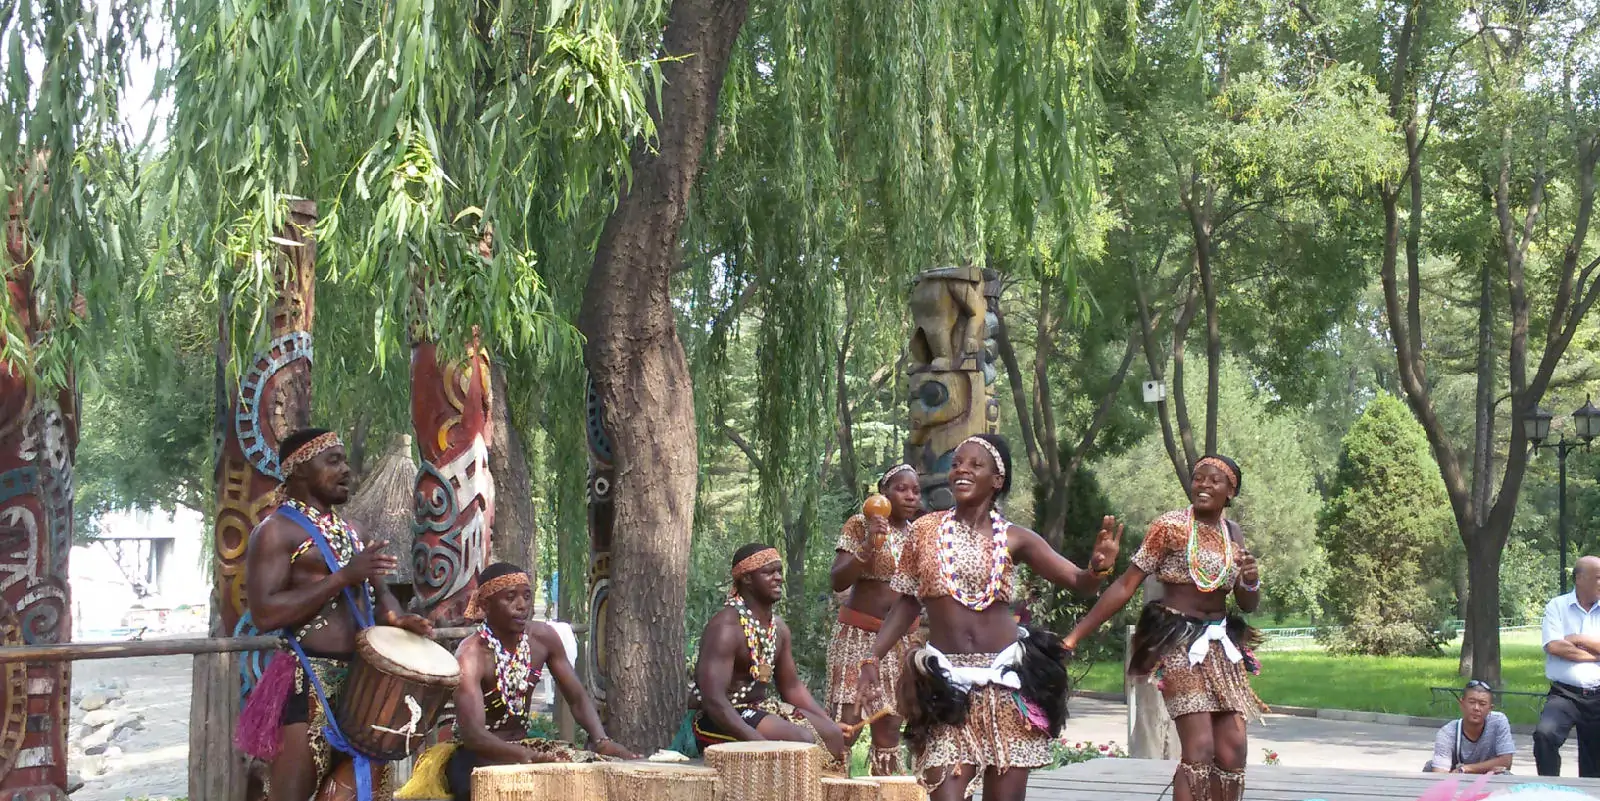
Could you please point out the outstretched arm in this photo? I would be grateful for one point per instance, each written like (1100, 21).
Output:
(1111, 601)
(572, 689)
(1031, 549)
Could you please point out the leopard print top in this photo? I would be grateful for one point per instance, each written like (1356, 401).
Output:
(1165, 551)
(920, 574)
(854, 539)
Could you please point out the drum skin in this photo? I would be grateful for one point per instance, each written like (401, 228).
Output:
(397, 686)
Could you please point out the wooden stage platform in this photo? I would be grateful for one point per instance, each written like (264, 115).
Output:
(1149, 780)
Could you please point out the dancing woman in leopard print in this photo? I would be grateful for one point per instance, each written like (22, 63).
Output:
(984, 698)
(1188, 639)
(869, 551)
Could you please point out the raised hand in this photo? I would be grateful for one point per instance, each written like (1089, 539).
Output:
(878, 531)
(416, 624)
(371, 563)
(1107, 544)
(1248, 572)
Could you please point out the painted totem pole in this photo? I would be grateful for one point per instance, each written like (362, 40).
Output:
(38, 439)
(271, 401)
(602, 515)
(454, 497)
(952, 368)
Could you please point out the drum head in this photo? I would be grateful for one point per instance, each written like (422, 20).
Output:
(410, 653)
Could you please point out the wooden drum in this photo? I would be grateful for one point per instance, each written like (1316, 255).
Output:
(397, 686)
(546, 781)
(650, 781)
(900, 788)
(834, 789)
(767, 771)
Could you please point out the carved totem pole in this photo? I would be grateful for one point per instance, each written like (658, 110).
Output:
(38, 440)
(952, 367)
(454, 498)
(602, 515)
(271, 401)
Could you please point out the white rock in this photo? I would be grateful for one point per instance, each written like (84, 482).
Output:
(112, 693)
(97, 740)
(74, 781)
(92, 766)
(128, 721)
(93, 701)
(99, 717)
(112, 752)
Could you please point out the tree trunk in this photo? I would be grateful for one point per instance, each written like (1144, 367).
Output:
(850, 470)
(1483, 605)
(38, 444)
(1208, 289)
(356, 448)
(642, 377)
(514, 537)
(455, 490)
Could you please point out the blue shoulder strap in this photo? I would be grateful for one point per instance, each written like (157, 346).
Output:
(364, 619)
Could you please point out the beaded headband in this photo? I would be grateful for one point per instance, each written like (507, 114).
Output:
(489, 588)
(1233, 478)
(756, 561)
(999, 463)
(895, 471)
(309, 451)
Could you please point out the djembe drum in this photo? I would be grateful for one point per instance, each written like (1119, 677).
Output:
(398, 683)
(900, 788)
(546, 781)
(767, 771)
(836, 789)
(648, 781)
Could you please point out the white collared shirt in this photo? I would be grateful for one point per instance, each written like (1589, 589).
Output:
(1563, 616)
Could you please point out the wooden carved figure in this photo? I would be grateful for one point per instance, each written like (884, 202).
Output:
(602, 514)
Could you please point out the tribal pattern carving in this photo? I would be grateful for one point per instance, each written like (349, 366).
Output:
(602, 514)
(454, 491)
(260, 448)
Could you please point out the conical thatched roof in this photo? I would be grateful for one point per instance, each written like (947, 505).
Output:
(381, 508)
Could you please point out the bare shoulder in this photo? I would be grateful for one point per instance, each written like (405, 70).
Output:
(471, 648)
(277, 533)
(547, 636)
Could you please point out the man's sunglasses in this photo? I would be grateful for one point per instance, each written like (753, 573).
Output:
(1477, 684)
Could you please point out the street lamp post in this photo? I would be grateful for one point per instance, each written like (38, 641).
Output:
(1537, 428)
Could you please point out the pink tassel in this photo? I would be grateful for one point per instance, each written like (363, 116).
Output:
(1035, 715)
(262, 715)
(1443, 791)
(1478, 790)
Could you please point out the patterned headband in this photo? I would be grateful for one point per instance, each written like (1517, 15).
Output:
(994, 453)
(309, 451)
(756, 561)
(489, 588)
(895, 471)
(1233, 478)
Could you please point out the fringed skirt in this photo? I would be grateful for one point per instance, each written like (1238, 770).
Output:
(1163, 643)
(853, 636)
(988, 725)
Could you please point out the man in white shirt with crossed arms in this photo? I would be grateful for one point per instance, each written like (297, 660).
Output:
(1572, 663)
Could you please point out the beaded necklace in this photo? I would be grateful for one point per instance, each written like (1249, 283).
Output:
(763, 645)
(513, 672)
(341, 537)
(1197, 574)
(1000, 559)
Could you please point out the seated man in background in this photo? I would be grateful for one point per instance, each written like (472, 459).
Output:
(1479, 741)
(500, 669)
(745, 656)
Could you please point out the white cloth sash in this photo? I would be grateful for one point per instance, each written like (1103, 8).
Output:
(1214, 632)
(968, 677)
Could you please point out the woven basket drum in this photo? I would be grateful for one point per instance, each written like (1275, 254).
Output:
(646, 781)
(834, 789)
(767, 771)
(550, 781)
(900, 788)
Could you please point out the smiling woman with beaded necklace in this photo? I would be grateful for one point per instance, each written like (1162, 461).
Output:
(984, 697)
(1198, 652)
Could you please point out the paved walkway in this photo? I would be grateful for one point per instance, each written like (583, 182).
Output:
(1314, 742)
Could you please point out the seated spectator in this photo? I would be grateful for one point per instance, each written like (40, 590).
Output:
(1479, 741)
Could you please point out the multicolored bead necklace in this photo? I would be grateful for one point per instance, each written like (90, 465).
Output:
(1208, 583)
(1000, 560)
(513, 673)
(763, 645)
(340, 536)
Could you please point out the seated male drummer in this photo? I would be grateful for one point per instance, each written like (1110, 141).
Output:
(500, 669)
(293, 587)
(745, 655)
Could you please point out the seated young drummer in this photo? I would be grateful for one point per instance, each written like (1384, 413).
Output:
(500, 668)
(745, 655)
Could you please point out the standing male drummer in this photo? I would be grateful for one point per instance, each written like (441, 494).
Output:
(293, 587)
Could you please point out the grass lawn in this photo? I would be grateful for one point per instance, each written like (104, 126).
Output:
(1314, 678)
